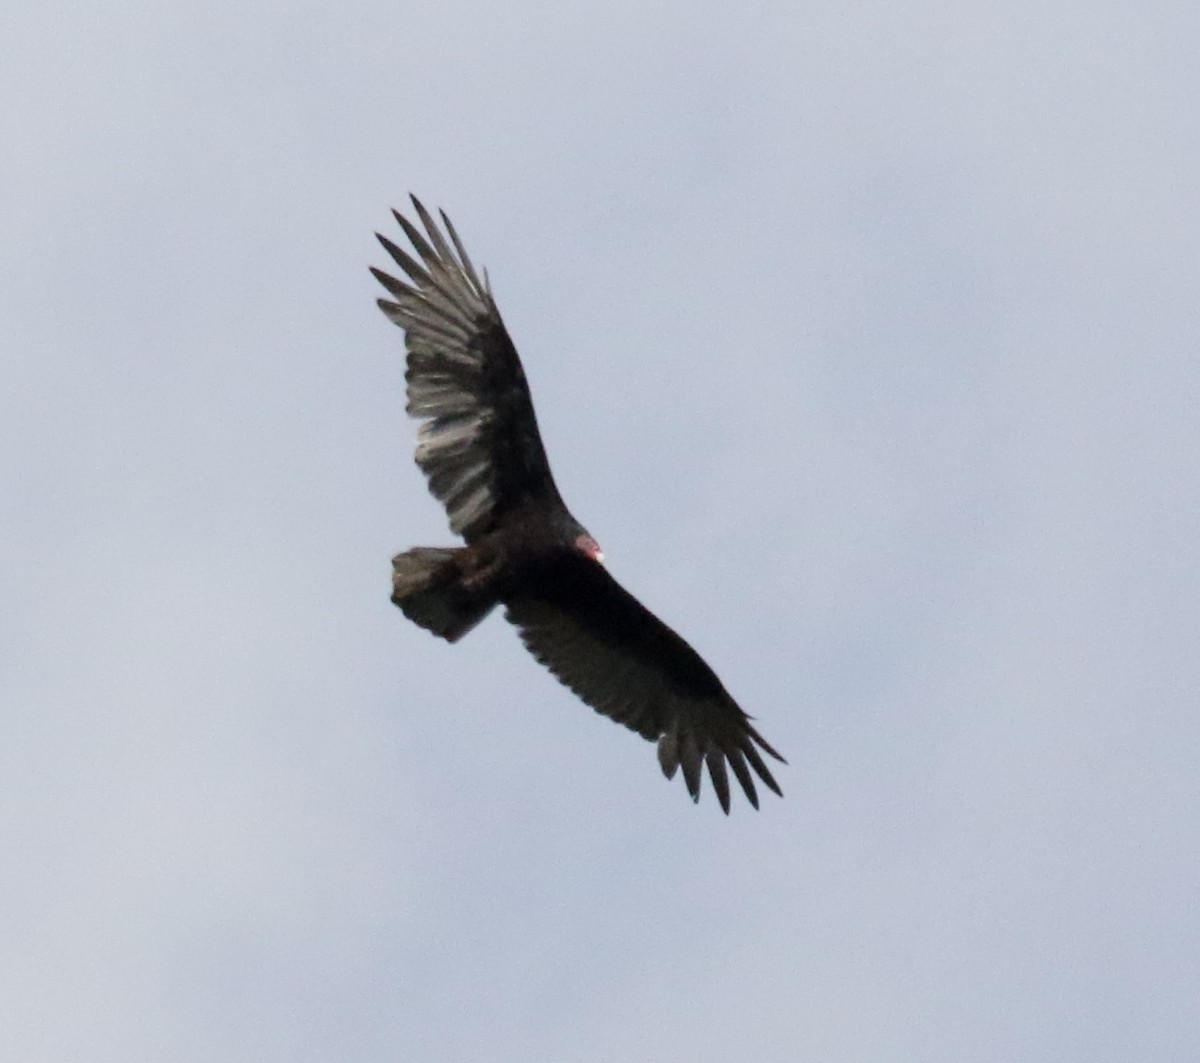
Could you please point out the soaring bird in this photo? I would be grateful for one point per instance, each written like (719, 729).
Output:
(479, 446)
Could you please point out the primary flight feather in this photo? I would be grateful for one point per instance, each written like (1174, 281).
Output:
(479, 446)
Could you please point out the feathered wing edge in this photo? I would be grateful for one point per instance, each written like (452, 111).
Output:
(625, 663)
(478, 443)
(444, 309)
(680, 748)
(447, 281)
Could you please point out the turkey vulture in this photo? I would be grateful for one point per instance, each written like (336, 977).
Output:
(479, 446)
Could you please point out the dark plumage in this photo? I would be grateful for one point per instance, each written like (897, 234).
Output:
(480, 448)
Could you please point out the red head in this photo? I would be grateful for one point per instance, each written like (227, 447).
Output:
(588, 546)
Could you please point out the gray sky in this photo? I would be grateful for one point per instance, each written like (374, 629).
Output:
(865, 341)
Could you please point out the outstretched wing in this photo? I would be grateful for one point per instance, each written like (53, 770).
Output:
(478, 443)
(627, 664)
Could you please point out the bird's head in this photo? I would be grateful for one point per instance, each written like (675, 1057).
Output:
(588, 546)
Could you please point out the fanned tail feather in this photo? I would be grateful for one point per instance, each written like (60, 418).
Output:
(427, 585)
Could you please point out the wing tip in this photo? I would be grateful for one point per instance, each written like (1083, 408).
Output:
(760, 767)
(677, 751)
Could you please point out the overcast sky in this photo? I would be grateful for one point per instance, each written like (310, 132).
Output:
(864, 338)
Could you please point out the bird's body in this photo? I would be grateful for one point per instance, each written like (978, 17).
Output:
(480, 448)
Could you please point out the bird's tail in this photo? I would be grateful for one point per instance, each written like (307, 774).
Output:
(427, 585)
